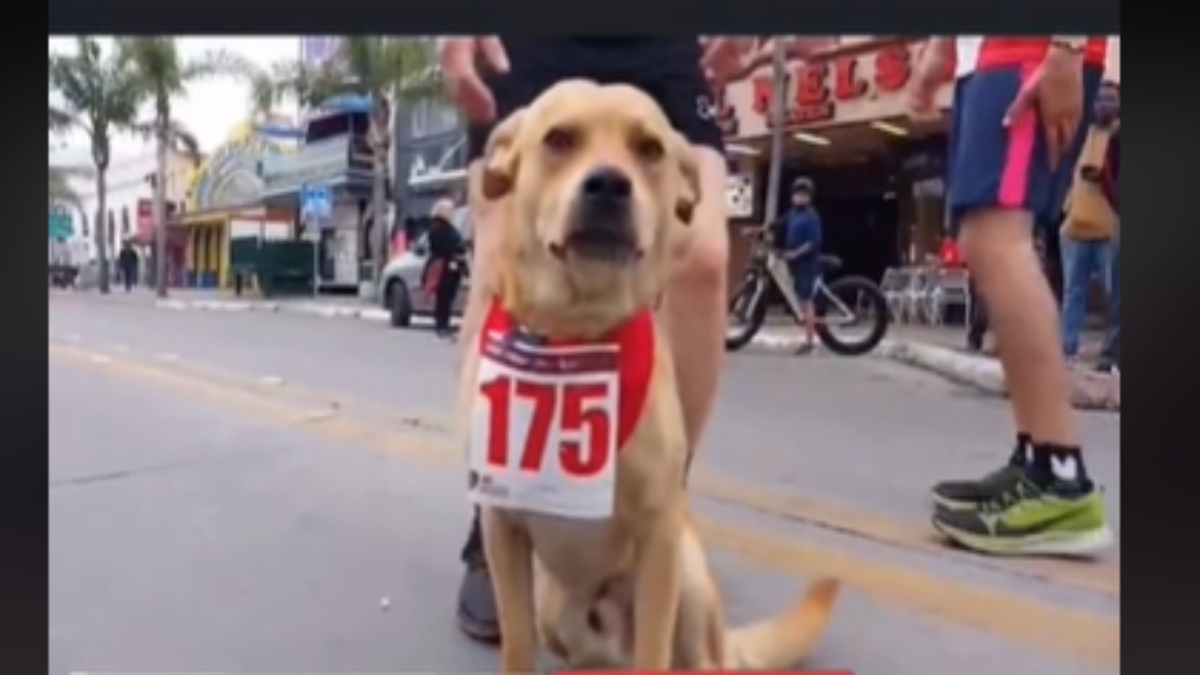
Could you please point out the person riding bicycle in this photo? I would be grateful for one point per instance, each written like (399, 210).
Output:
(802, 251)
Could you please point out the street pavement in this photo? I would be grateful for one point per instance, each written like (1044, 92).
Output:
(238, 492)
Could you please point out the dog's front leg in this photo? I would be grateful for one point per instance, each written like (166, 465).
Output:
(656, 595)
(510, 558)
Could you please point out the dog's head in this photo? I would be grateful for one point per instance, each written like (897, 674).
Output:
(598, 186)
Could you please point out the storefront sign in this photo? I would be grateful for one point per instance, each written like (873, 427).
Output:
(145, 219)
(817, 89)
(231, 178)
(323, 161)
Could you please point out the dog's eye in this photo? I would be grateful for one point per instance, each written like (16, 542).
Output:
(649, 149)
(560, 139)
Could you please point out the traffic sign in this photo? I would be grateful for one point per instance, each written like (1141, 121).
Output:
(316, 202)
(60, 225)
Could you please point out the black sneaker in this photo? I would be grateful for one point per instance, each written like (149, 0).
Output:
(1059, 518)
(476, 602)
(969, 494)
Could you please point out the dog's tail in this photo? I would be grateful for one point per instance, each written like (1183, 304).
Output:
(785, 639)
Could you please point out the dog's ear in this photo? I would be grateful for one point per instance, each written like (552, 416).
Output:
(500, 160)
(689, 178)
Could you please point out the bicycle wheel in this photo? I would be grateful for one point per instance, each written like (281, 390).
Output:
(747, 312)
(852, 316)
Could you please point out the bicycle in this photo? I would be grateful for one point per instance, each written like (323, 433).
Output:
(838, 303)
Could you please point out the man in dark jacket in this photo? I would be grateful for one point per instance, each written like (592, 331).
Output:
(127, 263)
(444, 269)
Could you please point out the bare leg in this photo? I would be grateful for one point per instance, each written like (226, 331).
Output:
(810, 322)
(696, 302)
(1046, 505)
(998, 245)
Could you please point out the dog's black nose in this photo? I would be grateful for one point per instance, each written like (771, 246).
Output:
(607, 184)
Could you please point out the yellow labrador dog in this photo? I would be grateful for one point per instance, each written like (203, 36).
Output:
(701, 640)
(576, 443)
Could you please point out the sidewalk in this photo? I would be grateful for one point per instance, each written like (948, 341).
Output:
(941, 350)
(936, 349)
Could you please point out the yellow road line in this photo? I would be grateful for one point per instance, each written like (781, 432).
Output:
(1074, 634)
(1102, 578)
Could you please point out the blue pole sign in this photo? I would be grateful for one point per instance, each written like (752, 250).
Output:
(316, 204)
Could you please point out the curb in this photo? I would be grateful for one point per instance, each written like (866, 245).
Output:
(1089, 390)
(327, 311)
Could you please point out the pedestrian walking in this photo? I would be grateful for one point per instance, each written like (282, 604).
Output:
(127, 265)
(444, 270)
(802, 251)
(676, 71)
(1089, 222)
(1108, 177)
(1020, 129)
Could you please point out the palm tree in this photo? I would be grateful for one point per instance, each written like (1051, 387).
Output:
(385, 70)
(59, 189)
(100, 96)
(162, 73)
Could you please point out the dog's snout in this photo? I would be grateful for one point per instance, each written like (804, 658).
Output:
(607, 183)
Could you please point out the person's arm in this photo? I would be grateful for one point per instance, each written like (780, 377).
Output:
(1110, 180)
(799, 237)
(933, 66)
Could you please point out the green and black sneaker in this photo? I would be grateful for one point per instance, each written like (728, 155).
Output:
(1062, 519)
(969, 494)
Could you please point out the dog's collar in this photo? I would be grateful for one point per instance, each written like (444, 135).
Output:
(501, 320)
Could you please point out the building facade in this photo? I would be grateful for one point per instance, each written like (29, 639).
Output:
(128, 201)
(429, 160)
(224, 203)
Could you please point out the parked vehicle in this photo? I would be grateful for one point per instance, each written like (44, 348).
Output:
(841, 304)
(403, 295)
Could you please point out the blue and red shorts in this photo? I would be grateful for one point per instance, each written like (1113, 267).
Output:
(991, 166)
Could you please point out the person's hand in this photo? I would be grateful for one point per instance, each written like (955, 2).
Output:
(1055, 93)
(457, 57)
(727, 58)
(928, 76)
(740, 57)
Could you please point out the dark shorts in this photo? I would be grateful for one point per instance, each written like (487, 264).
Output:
(991, 166)
(668, 69)
(804, 282)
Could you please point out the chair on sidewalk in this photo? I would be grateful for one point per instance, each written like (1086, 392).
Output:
(895, 285)
(947, 287)
(916, 299)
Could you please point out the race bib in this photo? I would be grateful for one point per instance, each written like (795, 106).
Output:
(544, 427)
